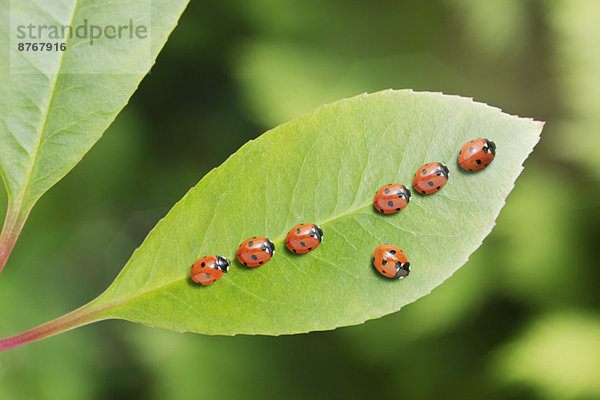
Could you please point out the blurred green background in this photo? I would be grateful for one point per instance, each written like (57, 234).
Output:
(521, 320)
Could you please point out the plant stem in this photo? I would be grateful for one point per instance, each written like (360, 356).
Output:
(82, 316)
(13, 224)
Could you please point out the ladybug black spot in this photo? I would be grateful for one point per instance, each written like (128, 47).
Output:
(386, 191)
(250, 244)
(203, 264)
(384, 261)
(260, 262)
(207, 275)
(397, 209)
(390, 203)
(298, 230)
(472, 149)
(438, 188)
(310, 248)
(254, 257)
(393, 251)
(294, 250)
(302, 244)
(422, 191)
(424, 171)
(430, 183)
(478, 161)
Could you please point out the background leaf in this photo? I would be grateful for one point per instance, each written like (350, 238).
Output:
(54, 106)
(324, 168)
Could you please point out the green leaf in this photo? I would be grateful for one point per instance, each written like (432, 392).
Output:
(55, 105)
(322, 168)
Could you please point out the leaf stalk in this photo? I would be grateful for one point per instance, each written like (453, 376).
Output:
(13, 225)
(82, 316)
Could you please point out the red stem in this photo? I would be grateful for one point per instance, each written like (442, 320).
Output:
(81, 316)
(13, 224)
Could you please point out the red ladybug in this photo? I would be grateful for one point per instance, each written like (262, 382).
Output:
(255, 251)
(209, 269)
(304, 238)
(391, 198)
(477, 154)
(430, 178)
(390, 261)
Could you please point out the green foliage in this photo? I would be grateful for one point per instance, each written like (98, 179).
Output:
(55, 105)
(205, 95)
(497, 28)
(324, 168)
(577, 56)
(273, 97)
(558, 355)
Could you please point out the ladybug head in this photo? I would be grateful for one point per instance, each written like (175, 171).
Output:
(444, 169)
(318, 231)
(223, 263)
(406, 193)
(491, 147)
(402, 270)
(270, 247)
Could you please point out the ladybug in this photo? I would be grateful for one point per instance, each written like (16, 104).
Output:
(209, 269)
(390, 261)
(391, 198)
(304, 238)
(255, 251)
(477, 154)
(430, 178)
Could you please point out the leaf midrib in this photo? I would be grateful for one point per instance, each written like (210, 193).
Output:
(27, 181)
(117, 300)
(277, 241)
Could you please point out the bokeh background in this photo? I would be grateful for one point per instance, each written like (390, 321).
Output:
(521, 320)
